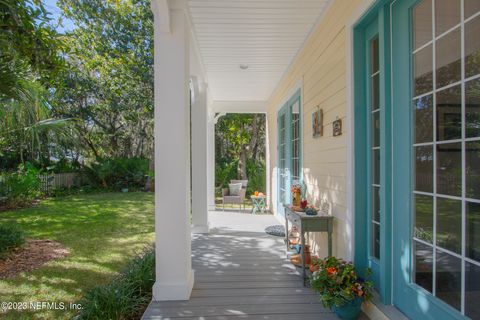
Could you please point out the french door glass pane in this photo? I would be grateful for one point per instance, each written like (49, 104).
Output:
(472, 290)
(376, 128)
(422, 24)
(376, 166)
(472, 169)
(471, 7)
(447, 15)
(446, 152)
(296, 141)
(376, 240)
(376, 203)
(448, 279)
(376, 92)
(472, 108)
(423, 119)
(423, 71)
(375, 57)
(449, 113)
(374, 108)
(424, 218)
(423, 264)
(449, 169)
(424, 168)
(472, 47)
(473, 231)
(282, 168)
(449, 224)
(448, 58)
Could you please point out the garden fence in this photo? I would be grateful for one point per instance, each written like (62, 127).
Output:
(54, 181)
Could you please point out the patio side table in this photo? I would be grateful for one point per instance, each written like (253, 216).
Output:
(259, 203)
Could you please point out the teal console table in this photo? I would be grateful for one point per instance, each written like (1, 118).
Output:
(318, 223)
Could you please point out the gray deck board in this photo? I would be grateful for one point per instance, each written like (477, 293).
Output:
(242, 273)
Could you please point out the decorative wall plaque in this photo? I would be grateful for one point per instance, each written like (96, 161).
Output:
(317, 123)
(337, 127)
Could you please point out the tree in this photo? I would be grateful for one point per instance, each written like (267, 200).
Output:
(109, 83)
(29, 62)
(240, 145)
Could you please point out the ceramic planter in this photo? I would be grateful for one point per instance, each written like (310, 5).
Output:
(350, 310)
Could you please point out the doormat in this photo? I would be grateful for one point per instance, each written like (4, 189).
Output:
(276, 230)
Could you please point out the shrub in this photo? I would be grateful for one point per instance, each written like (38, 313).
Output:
(226, 171)
(11, 237)
(256, 176)
(119, 173)
(20, 187)
(126, 296)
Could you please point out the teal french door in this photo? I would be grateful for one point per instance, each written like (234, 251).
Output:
(372, 152)
(289, 149)
(436, 157)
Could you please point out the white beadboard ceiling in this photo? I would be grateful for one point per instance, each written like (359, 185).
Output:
(263, 34)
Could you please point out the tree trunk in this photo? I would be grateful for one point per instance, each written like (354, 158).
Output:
(242, 163)
(254, 141)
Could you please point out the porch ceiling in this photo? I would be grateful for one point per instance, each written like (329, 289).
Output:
(264, 35)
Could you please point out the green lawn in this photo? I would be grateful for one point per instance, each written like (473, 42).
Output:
(102, 232)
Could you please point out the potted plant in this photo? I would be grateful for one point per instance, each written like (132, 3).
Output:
(339, 286)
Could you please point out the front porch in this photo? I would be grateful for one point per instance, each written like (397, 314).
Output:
(242, 272)
(351, 113)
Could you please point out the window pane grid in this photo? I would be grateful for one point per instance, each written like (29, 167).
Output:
(457, 170)
(374, 107)
(295, 143)
(282, 159)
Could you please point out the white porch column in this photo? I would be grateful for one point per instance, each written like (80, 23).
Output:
(174, 275)
(199, 158)
(211, 160)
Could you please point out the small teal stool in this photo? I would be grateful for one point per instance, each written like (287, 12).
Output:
(259, 203)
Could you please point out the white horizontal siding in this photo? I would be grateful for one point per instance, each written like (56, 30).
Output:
(321, 67)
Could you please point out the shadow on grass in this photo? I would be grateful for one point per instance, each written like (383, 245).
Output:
(102, 232)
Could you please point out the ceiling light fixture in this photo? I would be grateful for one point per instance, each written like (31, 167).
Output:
(244, 66)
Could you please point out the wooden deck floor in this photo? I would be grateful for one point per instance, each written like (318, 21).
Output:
(241, 272)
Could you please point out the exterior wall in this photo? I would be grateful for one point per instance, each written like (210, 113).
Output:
(321, 69)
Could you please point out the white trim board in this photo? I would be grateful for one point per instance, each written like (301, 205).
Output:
(239, 106)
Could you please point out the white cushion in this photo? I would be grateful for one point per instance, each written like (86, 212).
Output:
(234, 189)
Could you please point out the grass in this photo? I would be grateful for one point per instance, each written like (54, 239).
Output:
(102, 231)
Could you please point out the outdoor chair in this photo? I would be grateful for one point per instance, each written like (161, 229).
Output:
(239, 198)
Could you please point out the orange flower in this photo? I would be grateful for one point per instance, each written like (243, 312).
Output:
(331, 270)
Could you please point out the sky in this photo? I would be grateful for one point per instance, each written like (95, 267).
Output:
(56, 13)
